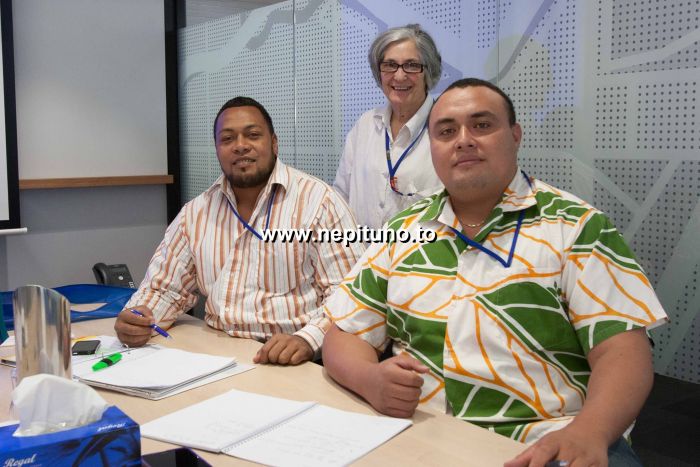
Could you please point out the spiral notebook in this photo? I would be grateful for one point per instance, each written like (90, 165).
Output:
(275, 431)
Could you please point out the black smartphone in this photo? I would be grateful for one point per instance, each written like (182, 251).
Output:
(85, 347)
(180, 457)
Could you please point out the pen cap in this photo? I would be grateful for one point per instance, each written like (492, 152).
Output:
(42, 332)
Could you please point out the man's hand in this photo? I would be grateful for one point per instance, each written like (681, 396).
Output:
(623, 360)
(394, 388)
(284, 349)
(134, 330)
(568, 444)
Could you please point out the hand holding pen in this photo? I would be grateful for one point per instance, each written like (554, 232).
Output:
(134, 326)
(154, 326)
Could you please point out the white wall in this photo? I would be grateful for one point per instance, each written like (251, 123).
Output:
(90, 85)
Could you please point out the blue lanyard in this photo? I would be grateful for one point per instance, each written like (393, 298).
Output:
(392, 169)
(493, 254)
(267, 222)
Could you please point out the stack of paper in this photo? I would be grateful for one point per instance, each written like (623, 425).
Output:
(7, 352)
(155, 372)
(275, 431)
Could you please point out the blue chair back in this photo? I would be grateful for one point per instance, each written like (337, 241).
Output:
(113, 299)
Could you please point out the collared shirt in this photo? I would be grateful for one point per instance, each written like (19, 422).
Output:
(506, 346)
(363, 175)
(253, 288)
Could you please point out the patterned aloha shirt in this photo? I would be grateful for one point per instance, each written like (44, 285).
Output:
(506, 346)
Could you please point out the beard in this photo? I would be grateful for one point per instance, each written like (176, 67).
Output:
(253, 179)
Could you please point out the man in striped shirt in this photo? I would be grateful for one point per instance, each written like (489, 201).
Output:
(264, 290)
(526, 316)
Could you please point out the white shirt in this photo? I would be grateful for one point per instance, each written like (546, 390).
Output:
(253, 289)
(363, 176)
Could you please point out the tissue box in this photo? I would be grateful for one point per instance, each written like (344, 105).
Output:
(113, 440)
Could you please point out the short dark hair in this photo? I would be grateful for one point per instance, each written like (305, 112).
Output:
(241, 101)
(467, 82)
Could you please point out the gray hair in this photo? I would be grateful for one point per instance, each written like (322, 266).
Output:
(429, 55)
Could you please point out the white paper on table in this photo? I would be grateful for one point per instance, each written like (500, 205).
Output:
(321, 436)
(218, 422)
(155, 367)
(9, 342)
(236, 370)
(274, 431)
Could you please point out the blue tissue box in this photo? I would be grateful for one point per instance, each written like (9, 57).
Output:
(113, 440)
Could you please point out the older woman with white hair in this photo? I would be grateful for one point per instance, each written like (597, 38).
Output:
(386, 163)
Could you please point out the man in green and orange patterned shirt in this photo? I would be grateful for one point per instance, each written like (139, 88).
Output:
(526, 316)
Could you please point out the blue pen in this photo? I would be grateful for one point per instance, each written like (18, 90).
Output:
(155, 327)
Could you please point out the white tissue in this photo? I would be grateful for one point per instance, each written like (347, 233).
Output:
(47, 403)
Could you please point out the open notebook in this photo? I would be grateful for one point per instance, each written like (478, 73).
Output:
(156, 372)
(274, 431)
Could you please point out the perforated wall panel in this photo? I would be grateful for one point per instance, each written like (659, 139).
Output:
(195, 132)
(611, 117)
(542, 78)
(487, 23)
(657, 239)
(445, 13)
(556, 170)
(621, 214)
(660, 241)
(685, 361)
(605, 90)
(685, 58)
(667, 115)
(219, 60)
(359, 90)
(635, 178)
(319, 134)
(642, 25)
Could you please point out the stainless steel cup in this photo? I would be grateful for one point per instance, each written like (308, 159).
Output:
(42, 332)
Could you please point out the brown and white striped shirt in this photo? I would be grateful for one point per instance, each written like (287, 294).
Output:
(253, 289)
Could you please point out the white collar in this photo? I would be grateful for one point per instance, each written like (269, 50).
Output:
(382, 118)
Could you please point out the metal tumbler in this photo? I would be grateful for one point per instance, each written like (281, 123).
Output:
(42, 332)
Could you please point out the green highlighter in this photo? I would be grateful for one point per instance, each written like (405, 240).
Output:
(107, 362)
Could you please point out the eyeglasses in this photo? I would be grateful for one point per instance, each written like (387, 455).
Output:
(408, 67)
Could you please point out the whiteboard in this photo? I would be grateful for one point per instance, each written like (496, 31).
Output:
(90, 84)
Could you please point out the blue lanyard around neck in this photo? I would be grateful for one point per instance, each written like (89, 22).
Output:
(393, 169)
(493, 254)
(269, 210)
